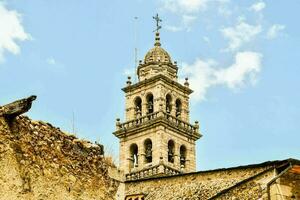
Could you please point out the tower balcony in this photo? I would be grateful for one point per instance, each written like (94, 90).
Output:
(153, 171)
(129, 127)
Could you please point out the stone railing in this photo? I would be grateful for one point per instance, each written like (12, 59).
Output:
(137, 121)
(193, 129)
(158, 170)
(181, 124)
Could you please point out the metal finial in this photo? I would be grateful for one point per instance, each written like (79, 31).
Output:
(158, 20)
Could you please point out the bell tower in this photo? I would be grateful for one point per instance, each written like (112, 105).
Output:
(156, 138)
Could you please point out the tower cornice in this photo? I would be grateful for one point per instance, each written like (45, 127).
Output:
(168, 64)
(155, 119)
(155, 79)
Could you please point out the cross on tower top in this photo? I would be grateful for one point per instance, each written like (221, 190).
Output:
(157, 19)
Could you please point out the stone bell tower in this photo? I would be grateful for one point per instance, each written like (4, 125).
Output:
(156, 138)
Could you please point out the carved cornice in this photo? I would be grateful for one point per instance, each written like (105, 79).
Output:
(155, 79)
(156, 119)
(153, 63)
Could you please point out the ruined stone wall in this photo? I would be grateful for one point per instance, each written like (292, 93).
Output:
(201, 185)
(39, 161)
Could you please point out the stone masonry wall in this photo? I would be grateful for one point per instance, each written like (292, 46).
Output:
(200, 185)
(39, 161)
(251, 189)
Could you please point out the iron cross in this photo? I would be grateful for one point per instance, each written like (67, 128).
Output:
(157, 19)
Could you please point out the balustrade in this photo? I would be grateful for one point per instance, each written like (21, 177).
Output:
(151, 172)
(153, 116)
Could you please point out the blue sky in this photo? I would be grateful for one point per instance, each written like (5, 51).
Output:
(242, 59)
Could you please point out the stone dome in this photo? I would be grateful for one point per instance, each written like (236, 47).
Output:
(157, 53)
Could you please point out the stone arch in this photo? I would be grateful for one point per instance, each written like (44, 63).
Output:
(133, 149)
(183, 154)
(168, 103)
(178, 105)
(171, 151)
(150, 103)
(148, 150)
(138, 106)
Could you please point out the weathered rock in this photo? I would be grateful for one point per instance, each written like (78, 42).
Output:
(39, 161)
(16, 108)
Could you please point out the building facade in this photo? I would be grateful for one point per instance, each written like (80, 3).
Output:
(157, 138)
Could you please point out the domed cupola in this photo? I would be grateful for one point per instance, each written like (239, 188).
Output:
(157, 54)
(157, 61)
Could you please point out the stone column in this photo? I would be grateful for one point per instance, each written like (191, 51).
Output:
(157, 146)
(186, 109)
(141, 154)
(173, 111)
(144, 107)
(176, 156)
(191, 156)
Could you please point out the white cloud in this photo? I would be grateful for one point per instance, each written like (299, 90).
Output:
(258, 6)
(246, 66)
(224, 11)
(184, 6)
(275, 30)
(206, 39)
(51, 61)
(201, 77)
(205, 74)
(188, 11)
(11, 31)
(187, 20)
(173, 28)
(240, 34)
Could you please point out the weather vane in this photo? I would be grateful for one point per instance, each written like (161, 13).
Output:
(157, 19)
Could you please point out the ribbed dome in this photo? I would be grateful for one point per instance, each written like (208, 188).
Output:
(157, 53)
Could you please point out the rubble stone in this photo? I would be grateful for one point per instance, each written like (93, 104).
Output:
(39, 161)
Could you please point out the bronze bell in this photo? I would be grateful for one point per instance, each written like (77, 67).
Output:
(168, 109)
(182, 159)
(148, 153)
(178, 112)
(150, 105)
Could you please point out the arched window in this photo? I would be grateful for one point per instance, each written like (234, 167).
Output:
(138, 106)
(171, 147)
(150, 108)
(168, 103)
(182, 156)
(178, 107)
(134, 155)
(148, 150)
